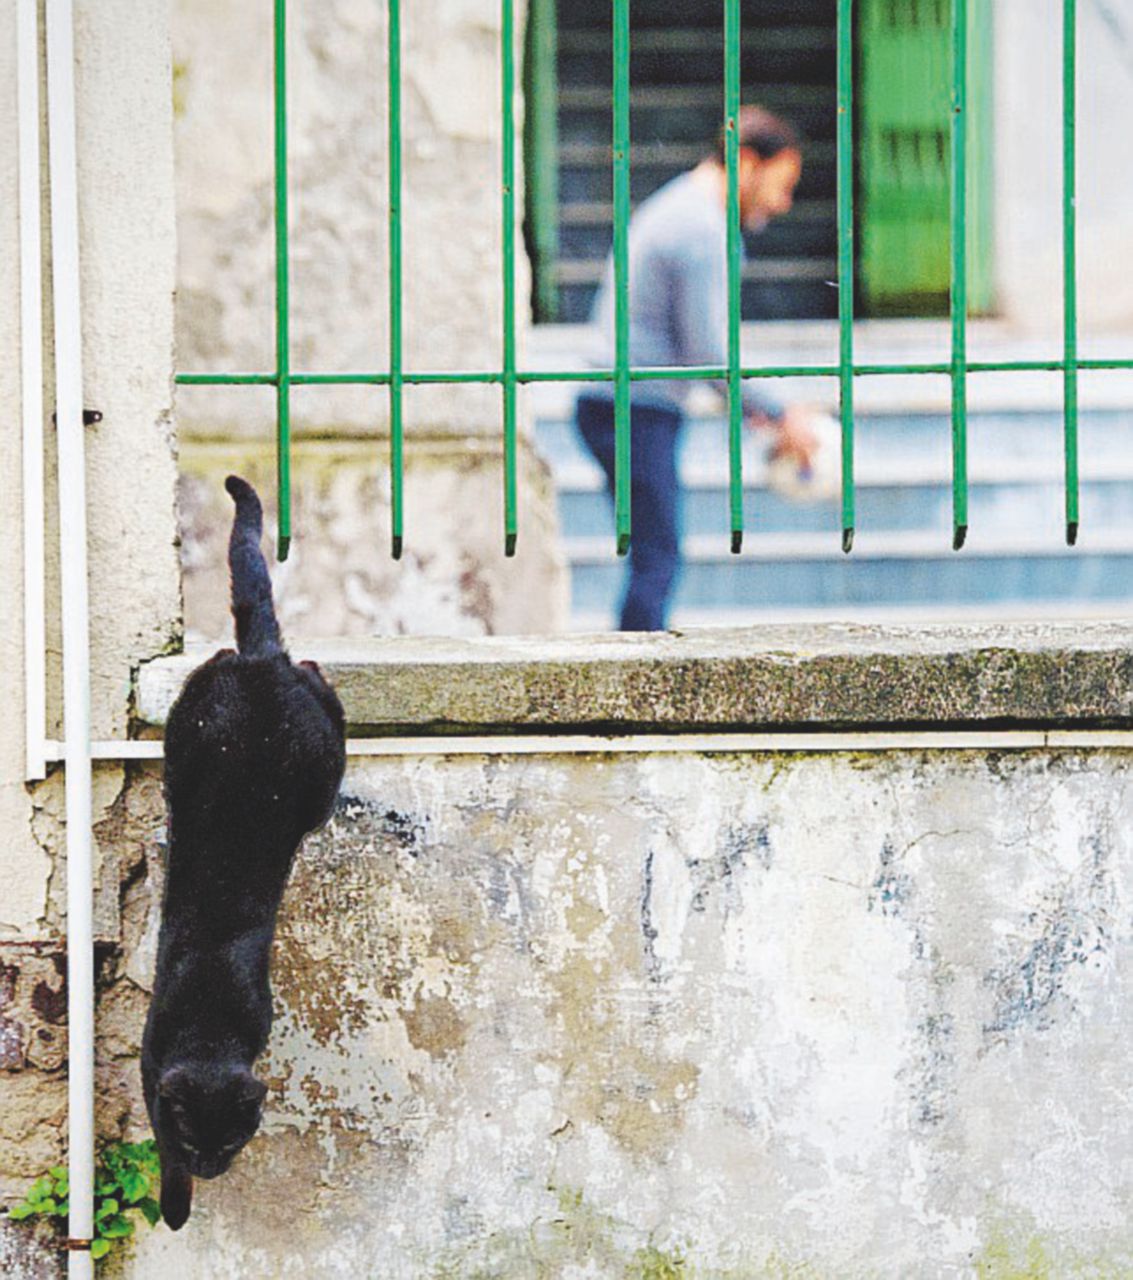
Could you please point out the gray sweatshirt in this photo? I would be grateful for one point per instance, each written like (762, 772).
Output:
(678, 296)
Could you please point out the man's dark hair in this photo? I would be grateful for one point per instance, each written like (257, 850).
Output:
(762, 132)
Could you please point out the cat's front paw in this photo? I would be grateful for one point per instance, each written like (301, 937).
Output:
(176, 1197)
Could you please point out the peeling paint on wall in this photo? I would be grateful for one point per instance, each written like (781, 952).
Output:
(529, 1023)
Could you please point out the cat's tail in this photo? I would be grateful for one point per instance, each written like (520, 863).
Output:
(257, 631)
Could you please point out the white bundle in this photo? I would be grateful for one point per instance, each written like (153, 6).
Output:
(821, 479)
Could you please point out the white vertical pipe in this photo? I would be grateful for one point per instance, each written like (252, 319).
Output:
(76, 638)
(31, 387)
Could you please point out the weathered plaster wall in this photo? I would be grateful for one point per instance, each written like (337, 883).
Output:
(453, 578)
(127, 258)
(127, 253)
(1028, 162)
(338, 167)
(342, 582)
(844, 1016)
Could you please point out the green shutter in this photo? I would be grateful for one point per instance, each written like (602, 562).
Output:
(905, 157)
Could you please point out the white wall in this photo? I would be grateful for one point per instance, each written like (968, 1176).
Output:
(338, 164)
(454, 577)
(840, 1015)
(1028, 162)
(127, 255)
(127, 247)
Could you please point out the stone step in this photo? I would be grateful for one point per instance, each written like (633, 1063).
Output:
(995, 509)
(596, 213)
(690, 113)
(770, 299)
(798, 238)
(586, 168)
(676, 92)
(586, 231)
(589, 271)
(791, 54)
(591, 15)
(902, 560)
(903, 545)
(869, 613)
(783, 571)
(692, 95)
(1009, 446)
(789, 268)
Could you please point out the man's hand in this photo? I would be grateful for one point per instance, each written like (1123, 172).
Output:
(795, 437)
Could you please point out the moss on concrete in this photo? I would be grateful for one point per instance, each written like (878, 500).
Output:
(1008, 1256)
(778, 678)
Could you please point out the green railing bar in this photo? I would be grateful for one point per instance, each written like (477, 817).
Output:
(622, 375)
(622, 452)
(735, 246)
(846, 263)
(1070, 262)
(226, 379)
(395, 378)
(959, 282)
(282, 302)
(507, 38)
(652, 373)
(540, 145)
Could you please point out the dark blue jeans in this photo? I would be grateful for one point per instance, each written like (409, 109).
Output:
(654, 554)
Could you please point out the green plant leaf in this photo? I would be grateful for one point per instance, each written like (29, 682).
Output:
(134, 1185)
(151, 1209)
(116, 1227)
(124, 1176)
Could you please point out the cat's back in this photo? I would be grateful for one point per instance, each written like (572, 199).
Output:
(227, 707)
(252, 741)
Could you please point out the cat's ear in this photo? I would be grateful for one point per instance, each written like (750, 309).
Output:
(174, 1084)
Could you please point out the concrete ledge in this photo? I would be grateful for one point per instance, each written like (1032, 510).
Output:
(834, 676)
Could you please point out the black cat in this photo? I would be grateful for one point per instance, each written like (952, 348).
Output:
(254, 754)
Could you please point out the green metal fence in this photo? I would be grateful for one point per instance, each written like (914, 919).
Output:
(509, 377)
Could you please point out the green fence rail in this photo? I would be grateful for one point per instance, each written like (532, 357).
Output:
(509, 377)
(282, 379)
(396, 380)
(959, 283)
(1071, 364)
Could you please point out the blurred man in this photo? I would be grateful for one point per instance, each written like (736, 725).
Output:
(678, 305)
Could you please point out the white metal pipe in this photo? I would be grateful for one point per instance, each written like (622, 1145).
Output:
(547, 744)
(76, 637)
(31, 387)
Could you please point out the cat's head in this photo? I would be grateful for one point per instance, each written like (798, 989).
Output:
(209, 1114)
